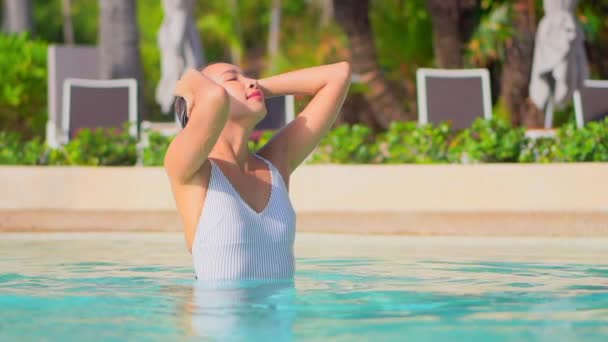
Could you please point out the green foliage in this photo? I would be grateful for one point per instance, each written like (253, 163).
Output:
(403, 34)
(150, 17)
(488, 41)
(491, 141)
(15, 151)
(587, 144)
(347, 145)
(48, 20)
(154, 152)
(539, 150)
(570, 144)
(256, 144)
(591, 21)
(23, 89)
(487, 141)
(304, 42)
(99, 147)
(406, 142)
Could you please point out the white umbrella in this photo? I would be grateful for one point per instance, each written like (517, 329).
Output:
(560, 62)
(180, 48)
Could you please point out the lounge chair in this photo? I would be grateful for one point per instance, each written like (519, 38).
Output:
(591, 102)
(98, 103)
(66, 62)
(457, 96)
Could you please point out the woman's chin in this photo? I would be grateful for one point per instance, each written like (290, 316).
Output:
(253, 117)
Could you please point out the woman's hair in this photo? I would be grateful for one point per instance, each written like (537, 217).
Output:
(181, 110)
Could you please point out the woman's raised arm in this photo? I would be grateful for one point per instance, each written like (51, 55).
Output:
(329, 84)
(207, 109)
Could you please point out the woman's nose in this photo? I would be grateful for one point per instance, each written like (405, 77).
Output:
(253, 83)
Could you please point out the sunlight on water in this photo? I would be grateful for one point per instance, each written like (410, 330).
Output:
(141, 286)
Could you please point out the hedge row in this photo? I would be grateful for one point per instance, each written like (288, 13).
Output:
(486, 141)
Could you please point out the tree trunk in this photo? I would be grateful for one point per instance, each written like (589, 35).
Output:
(180, 49)
(17, 16)
(453, 23)
(235, 53)
(68, 27)
(384, 103)
(273, 35)
(518, 65)
(119, 42)
(327, 12)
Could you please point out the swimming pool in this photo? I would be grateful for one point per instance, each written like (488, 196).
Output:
(94, 286)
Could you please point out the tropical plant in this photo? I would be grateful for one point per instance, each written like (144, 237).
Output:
(347, 145)
(23, 89)
(385, 104)
(487, 45)
(406, 142)
(15, 151)
(583, 145)
(487, 141)
(258, 142)
(156, 147)
(98, 147)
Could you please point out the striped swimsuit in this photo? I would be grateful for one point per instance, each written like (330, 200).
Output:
(234, 242)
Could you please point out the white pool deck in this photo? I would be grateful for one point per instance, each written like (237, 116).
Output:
(469, 200)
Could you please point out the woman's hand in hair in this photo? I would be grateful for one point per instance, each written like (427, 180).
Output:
(192, 85)
(207, 109)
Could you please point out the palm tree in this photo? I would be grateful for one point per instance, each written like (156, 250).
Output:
(119, 41)
(453, 24)
(327, 12)
(273, 35)
(17, 16)
(68, 27)
(518, 65)
(383, 103)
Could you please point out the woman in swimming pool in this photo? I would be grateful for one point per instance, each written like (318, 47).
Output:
(238, 220)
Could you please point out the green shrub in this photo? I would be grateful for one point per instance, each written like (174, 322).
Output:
(15, 151)
(583, 145)
(539, 150)
(570, 144)
(102, 146)
(256, 144)
(406, 142)
(154, 152)
(23, 88)
(347, 145)
(487, 141)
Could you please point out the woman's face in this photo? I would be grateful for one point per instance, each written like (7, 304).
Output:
(246, 98)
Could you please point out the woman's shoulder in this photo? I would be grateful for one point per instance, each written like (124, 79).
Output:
(277, 163)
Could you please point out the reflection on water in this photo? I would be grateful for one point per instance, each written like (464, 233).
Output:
(252, 310)
(140, 287)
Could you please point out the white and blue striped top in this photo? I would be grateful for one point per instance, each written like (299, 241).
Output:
(234, 242)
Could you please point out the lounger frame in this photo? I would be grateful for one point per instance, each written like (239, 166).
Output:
(578, 101)
(423, 73)
(129, 83)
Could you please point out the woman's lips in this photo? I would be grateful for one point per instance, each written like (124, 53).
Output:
(256, 93)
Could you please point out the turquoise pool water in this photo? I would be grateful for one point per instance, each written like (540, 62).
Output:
(59, 287)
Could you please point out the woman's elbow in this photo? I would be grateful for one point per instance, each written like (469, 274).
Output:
(344, 71)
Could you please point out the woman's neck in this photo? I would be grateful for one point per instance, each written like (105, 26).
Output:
(232, 145)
